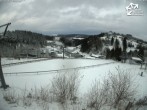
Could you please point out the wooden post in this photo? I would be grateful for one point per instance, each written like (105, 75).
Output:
(3, 83)
(141, 65)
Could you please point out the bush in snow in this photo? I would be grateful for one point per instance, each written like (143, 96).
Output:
(42, 94)
(115, 91)
(10, 96)
(65, 86)
(97, 96)
(26, 98)
(141, 102)
(122, 89)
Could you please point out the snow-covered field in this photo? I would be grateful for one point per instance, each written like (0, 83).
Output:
(87, 75)
(54, 64)
(12, 60)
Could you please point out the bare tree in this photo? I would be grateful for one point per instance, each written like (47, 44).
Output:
(2, 77)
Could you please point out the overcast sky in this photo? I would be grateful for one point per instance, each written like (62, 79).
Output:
(74, 16)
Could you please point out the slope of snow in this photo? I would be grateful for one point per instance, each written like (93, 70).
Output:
(130, 49)
(134, 43)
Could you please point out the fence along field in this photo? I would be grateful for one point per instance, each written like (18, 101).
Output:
(48, 72)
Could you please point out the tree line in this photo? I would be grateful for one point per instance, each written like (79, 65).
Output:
(20, 39)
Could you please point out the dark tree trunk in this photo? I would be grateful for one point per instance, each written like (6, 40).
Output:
(129, 106)
(2, 77)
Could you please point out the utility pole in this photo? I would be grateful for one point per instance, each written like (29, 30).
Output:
(63, 52)
(2, 79)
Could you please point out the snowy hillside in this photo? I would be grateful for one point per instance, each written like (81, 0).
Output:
(76, 44)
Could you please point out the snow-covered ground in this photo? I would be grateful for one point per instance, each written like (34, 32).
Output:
(12, 60)
(54, 64)
(87, 75)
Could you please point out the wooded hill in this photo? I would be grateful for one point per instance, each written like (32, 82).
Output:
(26, 37)
(19, 39)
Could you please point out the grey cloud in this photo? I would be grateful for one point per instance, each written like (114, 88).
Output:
(73, 16)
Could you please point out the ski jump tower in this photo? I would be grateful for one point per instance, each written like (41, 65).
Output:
(2, 36)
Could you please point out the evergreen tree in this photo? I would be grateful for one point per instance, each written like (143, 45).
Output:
(124, 44)
(84, 45)
(92, 43)
(116, 45)
(117, 53)
(112, 53)
(112, 41)
(108, 53)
